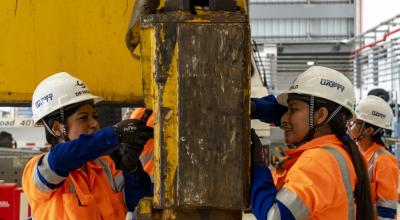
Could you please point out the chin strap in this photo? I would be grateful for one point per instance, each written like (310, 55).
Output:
(360, 135)
(313, 127)
(64, 135)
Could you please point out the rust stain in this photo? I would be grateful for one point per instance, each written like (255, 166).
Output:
(16, 7)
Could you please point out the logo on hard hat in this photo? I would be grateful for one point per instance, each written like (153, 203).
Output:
(81, 84)
(332, 84)
(82, 92)
(41, 101)
(294, 87)
(378, 114)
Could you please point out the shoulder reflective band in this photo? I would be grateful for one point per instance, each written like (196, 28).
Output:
(344, 169)
(371, 163)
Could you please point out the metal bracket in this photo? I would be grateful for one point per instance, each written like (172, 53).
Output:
(177, 5)
(187, 5)
(222, 5)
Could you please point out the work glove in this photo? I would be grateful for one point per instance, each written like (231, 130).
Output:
(130, 156)
(133, 132)
(259, 152)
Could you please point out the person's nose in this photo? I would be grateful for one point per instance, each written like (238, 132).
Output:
(94, 123)
(285, 118)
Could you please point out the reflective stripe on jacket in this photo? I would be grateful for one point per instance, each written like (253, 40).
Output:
(384, 179)
(148, 151)
(317, 182)
(91, 194)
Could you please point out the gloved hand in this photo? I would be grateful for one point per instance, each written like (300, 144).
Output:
(130, 156)
(259, 153)
(133, 132)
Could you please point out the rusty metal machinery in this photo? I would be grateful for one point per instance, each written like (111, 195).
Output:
(195, 59)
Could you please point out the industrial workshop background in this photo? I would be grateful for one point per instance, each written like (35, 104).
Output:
(287, 36)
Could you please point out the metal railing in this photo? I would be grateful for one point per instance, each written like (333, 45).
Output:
(376, 63)
(264, 65)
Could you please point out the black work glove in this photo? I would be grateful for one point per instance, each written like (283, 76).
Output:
(133, 132)
(130, 156)
(259, 152)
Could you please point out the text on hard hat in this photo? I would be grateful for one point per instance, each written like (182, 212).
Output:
(332, 84)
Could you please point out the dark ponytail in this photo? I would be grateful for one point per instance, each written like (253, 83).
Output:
(362, 191)
(377, 138)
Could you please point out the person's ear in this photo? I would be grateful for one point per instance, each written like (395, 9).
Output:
(321, 115)
(57, 128)
(368, 131)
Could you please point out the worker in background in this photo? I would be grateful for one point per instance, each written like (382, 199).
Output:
(374, 115)
(74, 180)
(325, 177)
(6, 140)
(147, 155)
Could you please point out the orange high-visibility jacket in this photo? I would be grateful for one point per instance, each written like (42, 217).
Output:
(318, 181)
(83, 195)
(148, 151)
(383, 173)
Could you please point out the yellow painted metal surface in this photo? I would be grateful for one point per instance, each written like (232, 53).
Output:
(85, 38)
(243, 4)
(171, 128)
(145, 205)
(166, 123)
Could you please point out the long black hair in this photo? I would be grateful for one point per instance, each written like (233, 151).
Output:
(377, 137)
(362, 191)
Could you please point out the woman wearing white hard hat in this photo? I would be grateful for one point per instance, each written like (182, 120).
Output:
(374, 115)
(325, 176)
(74, 180)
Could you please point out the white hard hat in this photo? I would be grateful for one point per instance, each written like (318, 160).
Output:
(58, 91)
(376, 111)
(325, 83)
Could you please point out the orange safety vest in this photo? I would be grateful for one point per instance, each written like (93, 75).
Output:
(383, 174)
(147, 155)
(318, 180)
(83, 195)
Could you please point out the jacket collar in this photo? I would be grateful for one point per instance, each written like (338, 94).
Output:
(371, 150)
(325, 140)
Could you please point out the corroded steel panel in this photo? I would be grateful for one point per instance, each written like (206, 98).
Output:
(196, 73)
(213, 112)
